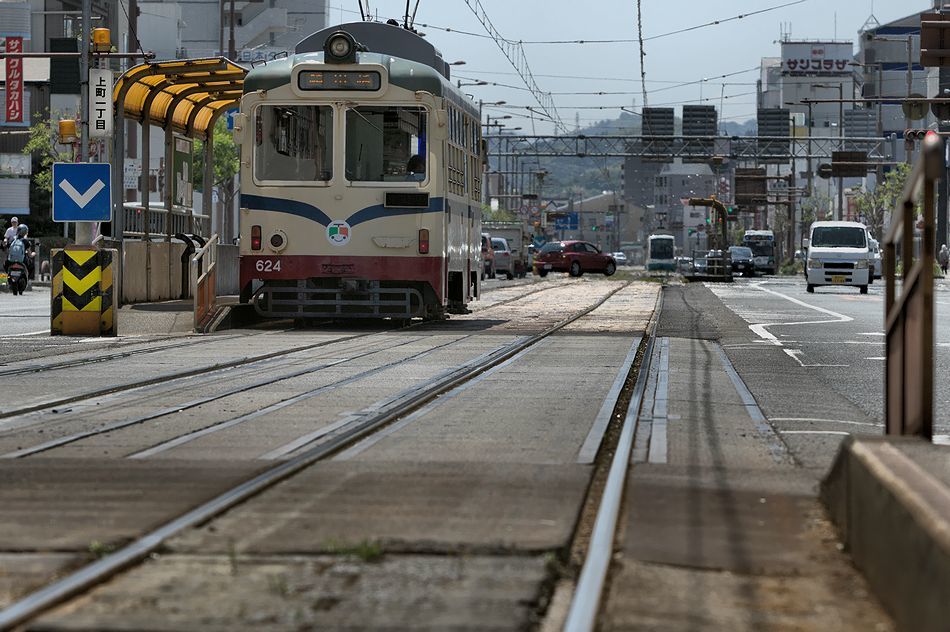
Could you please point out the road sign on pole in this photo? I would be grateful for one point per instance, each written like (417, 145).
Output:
(82, 192)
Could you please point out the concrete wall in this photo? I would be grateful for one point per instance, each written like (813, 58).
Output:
(151, 271)
(150, 275)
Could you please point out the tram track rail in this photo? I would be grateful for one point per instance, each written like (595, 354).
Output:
(200, 401)
(118, 355)
(93, 574)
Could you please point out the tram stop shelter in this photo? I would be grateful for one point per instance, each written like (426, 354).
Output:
(183, 98)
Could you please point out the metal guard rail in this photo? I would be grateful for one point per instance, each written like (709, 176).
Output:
(909, 316)
(203, 279)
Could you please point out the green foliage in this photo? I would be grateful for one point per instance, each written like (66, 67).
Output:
(877, 205)
(226, 157)
(45, 150)
(791, 268)
(501, 215)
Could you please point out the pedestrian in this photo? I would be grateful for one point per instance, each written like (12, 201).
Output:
(943, 258)
(11, 233)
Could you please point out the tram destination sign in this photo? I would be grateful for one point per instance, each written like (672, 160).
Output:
(338, 80)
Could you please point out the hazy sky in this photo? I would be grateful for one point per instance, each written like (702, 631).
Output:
(708, 52)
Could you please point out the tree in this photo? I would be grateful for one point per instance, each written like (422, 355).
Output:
(876, 206)
(45, 149)
(226, 157)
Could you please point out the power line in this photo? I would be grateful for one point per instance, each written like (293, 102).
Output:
(622, 40)
(515, 54)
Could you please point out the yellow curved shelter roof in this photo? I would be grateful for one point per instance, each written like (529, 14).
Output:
(186, 93)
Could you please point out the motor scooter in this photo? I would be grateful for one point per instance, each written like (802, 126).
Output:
(17, 278)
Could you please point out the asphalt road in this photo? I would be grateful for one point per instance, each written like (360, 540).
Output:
(807, 351)
(24, 314)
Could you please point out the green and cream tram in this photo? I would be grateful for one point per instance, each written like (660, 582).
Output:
(360, 180)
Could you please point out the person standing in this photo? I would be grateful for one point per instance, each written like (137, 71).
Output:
(943, 258)
(11, 233)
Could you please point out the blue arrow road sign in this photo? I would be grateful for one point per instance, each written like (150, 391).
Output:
(82, 192)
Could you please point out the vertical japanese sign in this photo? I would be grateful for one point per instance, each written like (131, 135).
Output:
(14, 110)
(100, 103)
(182, 172)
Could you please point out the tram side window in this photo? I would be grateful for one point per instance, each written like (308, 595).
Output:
(386, 144)
(294, 143)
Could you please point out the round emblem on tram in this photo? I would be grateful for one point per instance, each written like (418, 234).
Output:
(338, 233)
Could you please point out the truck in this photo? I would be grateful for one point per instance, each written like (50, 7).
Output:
(518, 239)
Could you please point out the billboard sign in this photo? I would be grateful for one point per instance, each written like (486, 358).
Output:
(816, 58)
(14, 100)
(182, 173)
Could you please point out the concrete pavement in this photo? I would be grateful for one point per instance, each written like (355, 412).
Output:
(723, 528)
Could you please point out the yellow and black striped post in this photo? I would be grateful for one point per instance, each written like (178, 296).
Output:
(82, 292)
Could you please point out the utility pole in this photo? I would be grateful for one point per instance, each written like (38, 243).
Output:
(84, 229)
(232, 50)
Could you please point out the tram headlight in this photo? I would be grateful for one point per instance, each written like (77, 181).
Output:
(278, 241)
(340, 48)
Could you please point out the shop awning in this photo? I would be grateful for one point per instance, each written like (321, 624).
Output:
(188, 94)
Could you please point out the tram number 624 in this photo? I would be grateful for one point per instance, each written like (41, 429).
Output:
(267, 265)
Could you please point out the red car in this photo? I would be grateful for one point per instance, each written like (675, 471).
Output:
(573, 257)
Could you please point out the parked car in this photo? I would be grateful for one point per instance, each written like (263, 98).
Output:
(684, 265)
(875, 259)
(573, 257)
(488, 257)
(620, 258)
(503, 257)
(743, 261)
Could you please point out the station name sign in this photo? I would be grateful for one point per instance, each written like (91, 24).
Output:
(816, 58)
(338, 80)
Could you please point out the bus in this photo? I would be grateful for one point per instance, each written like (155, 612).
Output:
(762, 244)
(660, 253)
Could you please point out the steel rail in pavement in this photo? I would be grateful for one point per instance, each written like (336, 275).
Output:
(194, 403)
(66, 364)
(582, 615)
(88, 576)
(174, 375)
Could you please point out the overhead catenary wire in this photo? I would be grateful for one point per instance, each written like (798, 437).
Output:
(623, 40)
(516, 57)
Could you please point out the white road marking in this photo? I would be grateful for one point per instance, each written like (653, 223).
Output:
(833, 421)
(816, 432)
(876, 358)
(28, 333)
(941, 439)
(794, 353)
(872, 333)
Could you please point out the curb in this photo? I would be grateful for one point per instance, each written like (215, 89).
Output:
(894, 517)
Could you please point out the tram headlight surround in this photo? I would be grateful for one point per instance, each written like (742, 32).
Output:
(340, 48)
(278, 241)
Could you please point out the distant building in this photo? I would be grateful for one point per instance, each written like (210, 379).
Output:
(599, 219)
(197, 28)
(675, 183)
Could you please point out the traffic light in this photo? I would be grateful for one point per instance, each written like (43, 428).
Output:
(910, 135)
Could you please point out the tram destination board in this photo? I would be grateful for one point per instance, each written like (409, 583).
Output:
(338, 80)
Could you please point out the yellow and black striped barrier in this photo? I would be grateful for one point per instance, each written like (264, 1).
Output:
(82, 292)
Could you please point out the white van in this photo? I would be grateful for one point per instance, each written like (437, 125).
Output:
(838, 253)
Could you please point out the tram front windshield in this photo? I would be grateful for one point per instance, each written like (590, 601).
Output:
(661, 248)
(293, 143)
(385, 144)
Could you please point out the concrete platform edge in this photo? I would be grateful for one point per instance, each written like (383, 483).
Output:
(894, 518)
